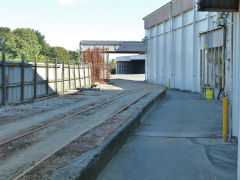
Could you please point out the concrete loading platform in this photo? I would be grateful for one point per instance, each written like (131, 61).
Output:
(179, 139)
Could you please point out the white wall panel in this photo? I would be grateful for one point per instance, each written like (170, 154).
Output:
(161, 59)
(236, 77)
(177, 58)
(168, 57)
(188, 17)
(201, 15)
(161, 50)
(177, 23)
(167, 26)
(154, 59)
(188, 58)
(161, 28)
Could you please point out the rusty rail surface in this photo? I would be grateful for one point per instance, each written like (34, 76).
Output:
(58, 121)
(50, 154)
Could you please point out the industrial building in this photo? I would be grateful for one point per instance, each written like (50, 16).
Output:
(130, 64)
(195, 46)
(192, 50)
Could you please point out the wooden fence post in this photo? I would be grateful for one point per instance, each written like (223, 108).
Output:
(69, 75)
(91, 74)
(84, 74)
(63, 78)
(79, 74)
(47, 75)
(74, 71)
(4, 89)
(89, 79)
(56, 78)
(22, 78)
(35, 78)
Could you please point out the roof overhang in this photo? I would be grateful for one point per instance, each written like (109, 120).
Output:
(131, 58)
(218, 5)
(128, 47)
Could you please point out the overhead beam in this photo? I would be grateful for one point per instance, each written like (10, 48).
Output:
(218, 5)
(129, 47)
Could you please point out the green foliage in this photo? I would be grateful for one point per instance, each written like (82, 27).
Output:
(74, 55)
(113, 64)
(31, 43)
(9, 40)
(62, 54)
(26, 41)
(45, 47)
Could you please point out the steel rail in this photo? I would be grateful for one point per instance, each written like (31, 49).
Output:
(52, 153)
(58, 121)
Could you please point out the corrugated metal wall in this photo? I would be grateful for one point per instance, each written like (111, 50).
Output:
(14, 80)
(236, 82)
(174, 50)
(236, 75)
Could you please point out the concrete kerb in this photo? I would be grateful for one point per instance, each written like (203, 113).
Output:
(90, 164)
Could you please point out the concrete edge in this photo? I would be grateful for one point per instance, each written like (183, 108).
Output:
(91, 163)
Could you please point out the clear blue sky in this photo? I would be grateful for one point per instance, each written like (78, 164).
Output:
(66, 22)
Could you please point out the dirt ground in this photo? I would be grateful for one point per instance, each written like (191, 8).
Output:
(85, 131)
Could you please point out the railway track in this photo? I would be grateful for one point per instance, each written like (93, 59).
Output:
(111, 116)
(14, 138)
(81, 112)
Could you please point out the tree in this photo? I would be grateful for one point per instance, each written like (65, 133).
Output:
(53, 52)
(113, 64)
(74, 55)
(27, 41)
(31, 42)
(8, 38)
(45, 47)
(62, 54)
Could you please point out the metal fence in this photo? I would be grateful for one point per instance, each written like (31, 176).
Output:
(21, 81)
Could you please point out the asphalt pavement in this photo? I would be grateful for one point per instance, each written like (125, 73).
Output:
(179, 139)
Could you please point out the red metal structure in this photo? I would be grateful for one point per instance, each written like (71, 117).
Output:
(99, 58)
